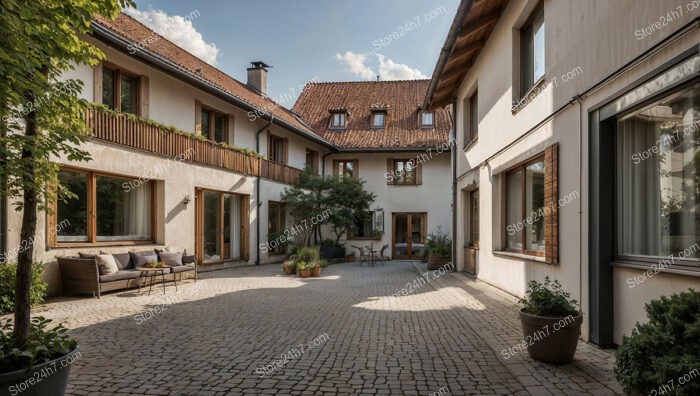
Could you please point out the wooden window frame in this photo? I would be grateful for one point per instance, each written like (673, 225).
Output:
(51, 219)
(314, 159)
(199, 225)
(284, 142)
(375, 113)
(341, 164)
(212, 114)
(118, 72)
(281, 223)
(473, 126)
(521, 168)
(331, 124)
(474, 219)
(536, 12)
(414, 171)
(420, 120)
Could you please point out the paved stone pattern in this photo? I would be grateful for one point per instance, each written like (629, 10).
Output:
(216, 335)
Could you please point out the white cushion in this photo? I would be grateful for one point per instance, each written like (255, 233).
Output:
(106, 264)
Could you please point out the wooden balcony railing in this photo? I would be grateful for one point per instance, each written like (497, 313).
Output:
(140, 135)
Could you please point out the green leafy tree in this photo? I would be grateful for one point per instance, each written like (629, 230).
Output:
(42, 116)
(308, 198)
(348, 201)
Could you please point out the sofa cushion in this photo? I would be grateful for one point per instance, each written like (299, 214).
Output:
(106, 264)
(140, 261)
(121, 275)
(132, 255)
(86, 255)
(123, 259)
(182, 268)
(171, 259)
(189, 259)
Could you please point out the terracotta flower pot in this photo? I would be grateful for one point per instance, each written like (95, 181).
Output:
(551, 340)
(316, 272)
(288, 270)
(305, 273)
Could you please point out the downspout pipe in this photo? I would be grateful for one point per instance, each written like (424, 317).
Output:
(453, 132)
(257, 192)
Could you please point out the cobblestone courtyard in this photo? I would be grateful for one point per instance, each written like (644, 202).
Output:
(340, 334)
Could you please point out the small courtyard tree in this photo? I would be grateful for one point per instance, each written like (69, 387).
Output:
(348, 202)
(42, 117)
(307, 198)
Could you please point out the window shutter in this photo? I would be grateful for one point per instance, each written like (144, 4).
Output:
(143, 96)
(419, 173)
(97, 84)
(198, 117)
(356, 169)
(551, 202)
(389, 171)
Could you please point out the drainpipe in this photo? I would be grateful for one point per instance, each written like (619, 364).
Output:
(257, 193)
(453, 116)
(578, 99)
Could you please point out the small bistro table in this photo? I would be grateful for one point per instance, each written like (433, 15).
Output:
(148, 272)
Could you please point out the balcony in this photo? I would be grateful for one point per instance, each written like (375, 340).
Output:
(129, 131)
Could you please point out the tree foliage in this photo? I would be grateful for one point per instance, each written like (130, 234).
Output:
(41, 113)
(349, 202)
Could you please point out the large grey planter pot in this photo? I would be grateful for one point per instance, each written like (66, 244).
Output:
(46, 379)
(330, 253)
(557, 338)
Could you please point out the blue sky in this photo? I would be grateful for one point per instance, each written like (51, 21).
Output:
(310, 40)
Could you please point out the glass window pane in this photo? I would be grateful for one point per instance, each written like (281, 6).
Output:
(72, 215)
(378, 120)
(534, 207)
(108, 87)
(123, 212)
(473, 117)
(527, 59)
(212, 226)
(658, 157)
(128, 94)
(427, 119)
(538, 47)
(205, 124)
(514, 215)
(227, 225)
(219, 128)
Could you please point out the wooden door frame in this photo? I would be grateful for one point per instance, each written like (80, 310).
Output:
(409, 239)
(199, 225)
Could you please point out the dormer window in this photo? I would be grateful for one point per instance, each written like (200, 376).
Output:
(338, 120)
(378, 119)
(427, 120)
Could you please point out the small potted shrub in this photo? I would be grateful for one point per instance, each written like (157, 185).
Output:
(551, 322)
(289, 267)
(315, 269)
(664, 349)
(438, 249)
(376, 235)
(304, 269)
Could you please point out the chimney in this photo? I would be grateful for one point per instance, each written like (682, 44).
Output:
(257, 76)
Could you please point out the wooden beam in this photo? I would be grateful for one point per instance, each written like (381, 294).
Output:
(479, 24)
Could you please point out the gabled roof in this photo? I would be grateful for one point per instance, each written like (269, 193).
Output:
(400, 99)
(132, 32)
(471, 28)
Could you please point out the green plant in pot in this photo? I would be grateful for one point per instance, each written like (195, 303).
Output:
(304, 269)
(658, 353)
(289, 267)
(551, 322)
(437, 250)
(315, 269)
(43, 43)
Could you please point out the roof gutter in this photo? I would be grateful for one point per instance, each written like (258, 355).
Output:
(103, 33)
(462, 12)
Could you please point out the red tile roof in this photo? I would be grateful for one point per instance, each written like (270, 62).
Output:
(138, 34)
(401, 99)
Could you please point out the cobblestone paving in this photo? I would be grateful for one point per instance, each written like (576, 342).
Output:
(340, 334)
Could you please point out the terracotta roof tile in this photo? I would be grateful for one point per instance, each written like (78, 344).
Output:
(137, 33)
(401, 98)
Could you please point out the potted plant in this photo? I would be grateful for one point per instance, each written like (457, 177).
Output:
(315, 269)
(350, 258)
(304, 269)
(438, 249)
(376, 235)
(662, 350)
(551, 322)
(332, 249)
(289, 267)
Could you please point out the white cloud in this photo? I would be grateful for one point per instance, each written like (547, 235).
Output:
(179, 30)
(355, 64)
(390, 70)
(359, 65)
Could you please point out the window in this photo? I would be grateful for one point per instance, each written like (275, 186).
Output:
(122, 210)
(532, 50)
(119, 90)
(345, 168)
(658, 196)
(404, 172)
(474, 218)
(276, 224)
(378, 119)
(473, 118)
(525, 207)
(338, 120)
(221, 226)
(426, 120)
(311, 163)
(369, 226)
(214, 126)
(277, 149)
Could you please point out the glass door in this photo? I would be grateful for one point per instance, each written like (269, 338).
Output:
(409, 235)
